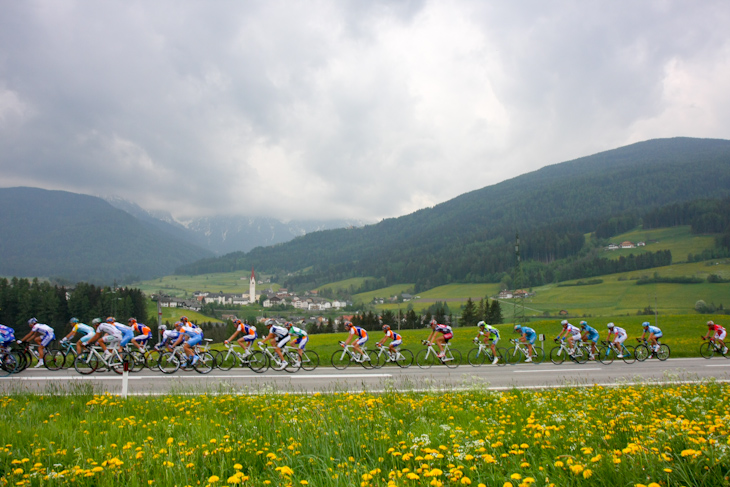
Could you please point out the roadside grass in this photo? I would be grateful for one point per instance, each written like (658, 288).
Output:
(638, 434)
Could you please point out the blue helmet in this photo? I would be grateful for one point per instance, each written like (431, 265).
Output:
(583, 324)
(646, 324)
(518, 329)
(32, 321)
(73, 320)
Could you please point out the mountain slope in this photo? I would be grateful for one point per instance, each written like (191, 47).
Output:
(79, 237)
(471, 237)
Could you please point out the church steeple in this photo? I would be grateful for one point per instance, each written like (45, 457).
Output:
(252, 288)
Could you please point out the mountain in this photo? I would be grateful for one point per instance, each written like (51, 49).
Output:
(471, 238)
(83, 238)
(226, 234)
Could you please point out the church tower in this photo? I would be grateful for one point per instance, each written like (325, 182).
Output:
(252, 289)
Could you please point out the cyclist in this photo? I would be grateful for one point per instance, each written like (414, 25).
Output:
(654, 335)
(190, 336)
(249, 335)
(395, 340)
(358, 336)
(619, 336)
(79, 327)
(127, 331)
(110, 335)
(301, 337)
(572, 333)
(42, 334)
(278, 336)
(490, 336)
(720, 334)
(7, 336)
(144, 333)
(168, 337)
(446, 334)
(589, 335)
(528, 337)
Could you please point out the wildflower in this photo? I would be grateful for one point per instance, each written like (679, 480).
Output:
(576, 469)
(559, 464)
(515, 476)
(465, 481)
(213, 479)
(587, 473)
(412, 476)
(668, 470)
(285, 471)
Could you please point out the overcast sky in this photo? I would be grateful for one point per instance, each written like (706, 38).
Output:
(337, 109)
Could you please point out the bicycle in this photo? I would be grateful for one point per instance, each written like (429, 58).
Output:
(52, 359)
(428, 356)
(309, 359)
(482, 354)
(9, 362)
(645, 351)
(292, 364)
(253, 359)
(91, 360)
(609, 351)
(69, 353)
(341, 360)
(711, 347)
(171, 362)
(402, 357)
(521, 350)
(576, 354)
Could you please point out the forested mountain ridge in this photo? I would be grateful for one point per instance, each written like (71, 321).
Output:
(82, 238)
(470, 238)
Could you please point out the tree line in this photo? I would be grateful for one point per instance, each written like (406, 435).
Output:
(22, 299)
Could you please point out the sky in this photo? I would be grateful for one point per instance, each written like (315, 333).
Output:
(342, 109)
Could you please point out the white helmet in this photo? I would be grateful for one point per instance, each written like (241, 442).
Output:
(163, 327)
(610, 325)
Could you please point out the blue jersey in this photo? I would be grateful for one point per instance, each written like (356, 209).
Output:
(7, 334)
(653, 329)
(590, 332)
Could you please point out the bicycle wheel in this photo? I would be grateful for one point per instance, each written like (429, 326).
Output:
(426, 358)
(68, 358)
(606, 355)
(116, 363)
(514, 355)
(663, 352)
(53, 359)
(707, 350)
(310, 360)
(139, 361)
(86, 363)
(628, 354)
(257, 361)
(152, 358)
(340, 360)
(502, 357)
(293, 364)
(380, 358)
(8, 363)
(642, 353)
(557, 355)
(538, 355)
(477, 357)
(227, 360)
(580, 355)
(404, 358)
(368, 360)
(205, 363)
(168, 363)
(452, 358)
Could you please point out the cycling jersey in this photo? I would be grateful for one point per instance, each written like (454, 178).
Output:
(297, 332)
(717, 328)
(127, 332)
(356, 330)
(591, 333)
(7, 334)
(169, 336)
(46, 333)
(109, 329)
(142, 330)
(572, 330)
(656, 331)
(279, 331)
(83, 328)
(246, 329)
(530, 334)
(393, 335)
(489, 330)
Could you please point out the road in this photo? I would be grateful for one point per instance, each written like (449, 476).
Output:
(356, 379)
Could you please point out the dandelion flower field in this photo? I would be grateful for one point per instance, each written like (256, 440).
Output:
(629, 435)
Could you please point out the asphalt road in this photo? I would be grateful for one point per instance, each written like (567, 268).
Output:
(357, 379)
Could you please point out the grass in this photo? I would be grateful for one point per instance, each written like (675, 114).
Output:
(679, 240)
(591, 436)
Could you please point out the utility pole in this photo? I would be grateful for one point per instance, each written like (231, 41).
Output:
(519, 303)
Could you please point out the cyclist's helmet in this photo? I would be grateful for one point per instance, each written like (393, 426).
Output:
(288, 324)
(583, 324)
(710, 323)
(434, 323)
(132, 321)
(348, 325)
(32, 321)
(270, 322)
(184, 319)
(564, 322)
(481, 324)
(236, 321)
(96, 321)
(73, 320)
(646, 324)
(110, 319)
(518, 329)
(610, 325)
(386, 327)
(178, 324)
(163, 328)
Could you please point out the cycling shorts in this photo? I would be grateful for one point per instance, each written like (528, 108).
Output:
(494, 339)
(448, 336)
(362, 341)
(250, 338)
(531, 338)
(396, 343)
(302, 342)
(195, 339)
(283, 341)
(127, 337)
(85, 339)
(142, 338)
(593, 337)
(47, 338)
(720, 336)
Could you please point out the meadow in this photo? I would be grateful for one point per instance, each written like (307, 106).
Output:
(556, 437)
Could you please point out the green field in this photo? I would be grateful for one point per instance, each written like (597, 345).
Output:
(185, 286)
(679, 240)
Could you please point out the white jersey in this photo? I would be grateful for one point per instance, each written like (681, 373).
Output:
(109, 329)
(43, 329)
(618, 331)
(572, 330)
